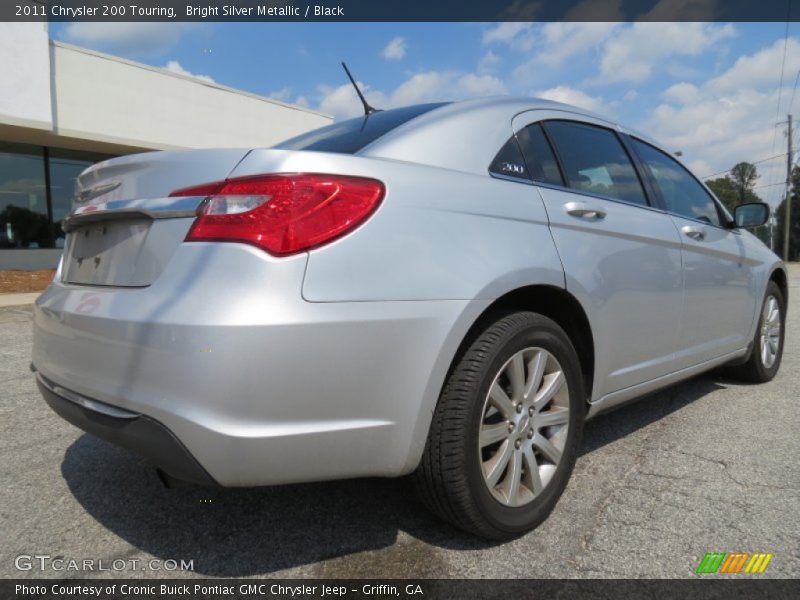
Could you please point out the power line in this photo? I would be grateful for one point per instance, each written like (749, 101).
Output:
(766, 185)
(758, 162)
(783, 61)
(783, 68)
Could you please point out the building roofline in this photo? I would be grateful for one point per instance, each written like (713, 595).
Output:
(164, 71)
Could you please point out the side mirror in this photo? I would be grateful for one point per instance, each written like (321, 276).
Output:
(751, 215)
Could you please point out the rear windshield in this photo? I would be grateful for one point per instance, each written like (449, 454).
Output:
(348, 137)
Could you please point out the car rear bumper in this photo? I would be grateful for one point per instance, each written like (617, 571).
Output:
(133, 431)
(257, 385)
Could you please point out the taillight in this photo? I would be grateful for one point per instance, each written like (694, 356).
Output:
(283, 214)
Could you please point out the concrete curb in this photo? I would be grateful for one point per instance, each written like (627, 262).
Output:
(17, 299)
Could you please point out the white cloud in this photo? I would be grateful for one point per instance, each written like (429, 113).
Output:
(517, 35)
(760, 69)
(682, 93)
(630, 95)
(395, 49)
(138, 39)
(716, 133)
(626, 53)
(342, 101)
(175, 67)
(481, 85)
(488, 63)
(427, 86)
(561, 41)
(283, 94)
(568, 95)
(423, 87)
(633, 52)
(730, 118)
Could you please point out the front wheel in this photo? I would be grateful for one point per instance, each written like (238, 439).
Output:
(507, 429)
(765, 357)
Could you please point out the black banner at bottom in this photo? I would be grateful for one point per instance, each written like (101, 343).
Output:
(706, 588)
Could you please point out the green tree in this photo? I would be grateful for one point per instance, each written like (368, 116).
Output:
(794, 226)
(725, 189)
(737, 187)
(744, 176)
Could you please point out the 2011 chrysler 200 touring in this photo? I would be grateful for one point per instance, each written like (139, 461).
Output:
(447, 290)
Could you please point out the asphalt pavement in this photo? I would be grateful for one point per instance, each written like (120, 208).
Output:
(710, 465)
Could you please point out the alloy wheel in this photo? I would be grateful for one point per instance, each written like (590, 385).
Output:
(524, 426)
(770, 331)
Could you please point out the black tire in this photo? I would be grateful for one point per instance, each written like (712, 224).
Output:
(449, 479)
(754, 370)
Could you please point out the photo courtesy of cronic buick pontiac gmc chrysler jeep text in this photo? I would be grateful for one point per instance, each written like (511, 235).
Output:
(443, 290)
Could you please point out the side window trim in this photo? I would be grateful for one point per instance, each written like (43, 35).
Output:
(645, 174)
(656, 207)
(523, 180)
(593, 195)
(645, 188)
(554, 150)
(724, 222)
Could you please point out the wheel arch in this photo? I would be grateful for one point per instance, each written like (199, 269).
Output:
(554, 303)
(546, 299)
(778, 275)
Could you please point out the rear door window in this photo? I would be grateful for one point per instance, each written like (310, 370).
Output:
(595, 161)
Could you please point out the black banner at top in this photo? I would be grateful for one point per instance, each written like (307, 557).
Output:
(401, 10)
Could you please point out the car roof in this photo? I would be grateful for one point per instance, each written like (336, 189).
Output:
(464, 135)
(431, 137)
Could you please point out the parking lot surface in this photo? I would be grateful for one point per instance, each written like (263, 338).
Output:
(710, 465)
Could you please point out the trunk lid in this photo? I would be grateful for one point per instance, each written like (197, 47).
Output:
(124, 227)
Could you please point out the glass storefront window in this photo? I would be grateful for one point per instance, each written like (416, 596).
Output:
(24, 221)
(65, 166)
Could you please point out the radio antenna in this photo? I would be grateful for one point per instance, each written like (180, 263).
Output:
(368, 110)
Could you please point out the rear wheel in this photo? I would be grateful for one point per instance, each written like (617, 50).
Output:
(507, 429)
(765, 358)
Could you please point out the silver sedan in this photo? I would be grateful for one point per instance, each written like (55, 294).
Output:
(448, 290)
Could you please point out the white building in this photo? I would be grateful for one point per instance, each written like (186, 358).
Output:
(63, 108)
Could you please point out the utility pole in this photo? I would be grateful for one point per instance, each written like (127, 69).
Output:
(787, 213)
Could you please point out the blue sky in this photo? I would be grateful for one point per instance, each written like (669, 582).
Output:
(711, 90)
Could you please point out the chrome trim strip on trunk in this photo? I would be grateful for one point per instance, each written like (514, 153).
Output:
(153, 208)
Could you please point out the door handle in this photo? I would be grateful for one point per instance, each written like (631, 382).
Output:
(696, 233)
(584, 211)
